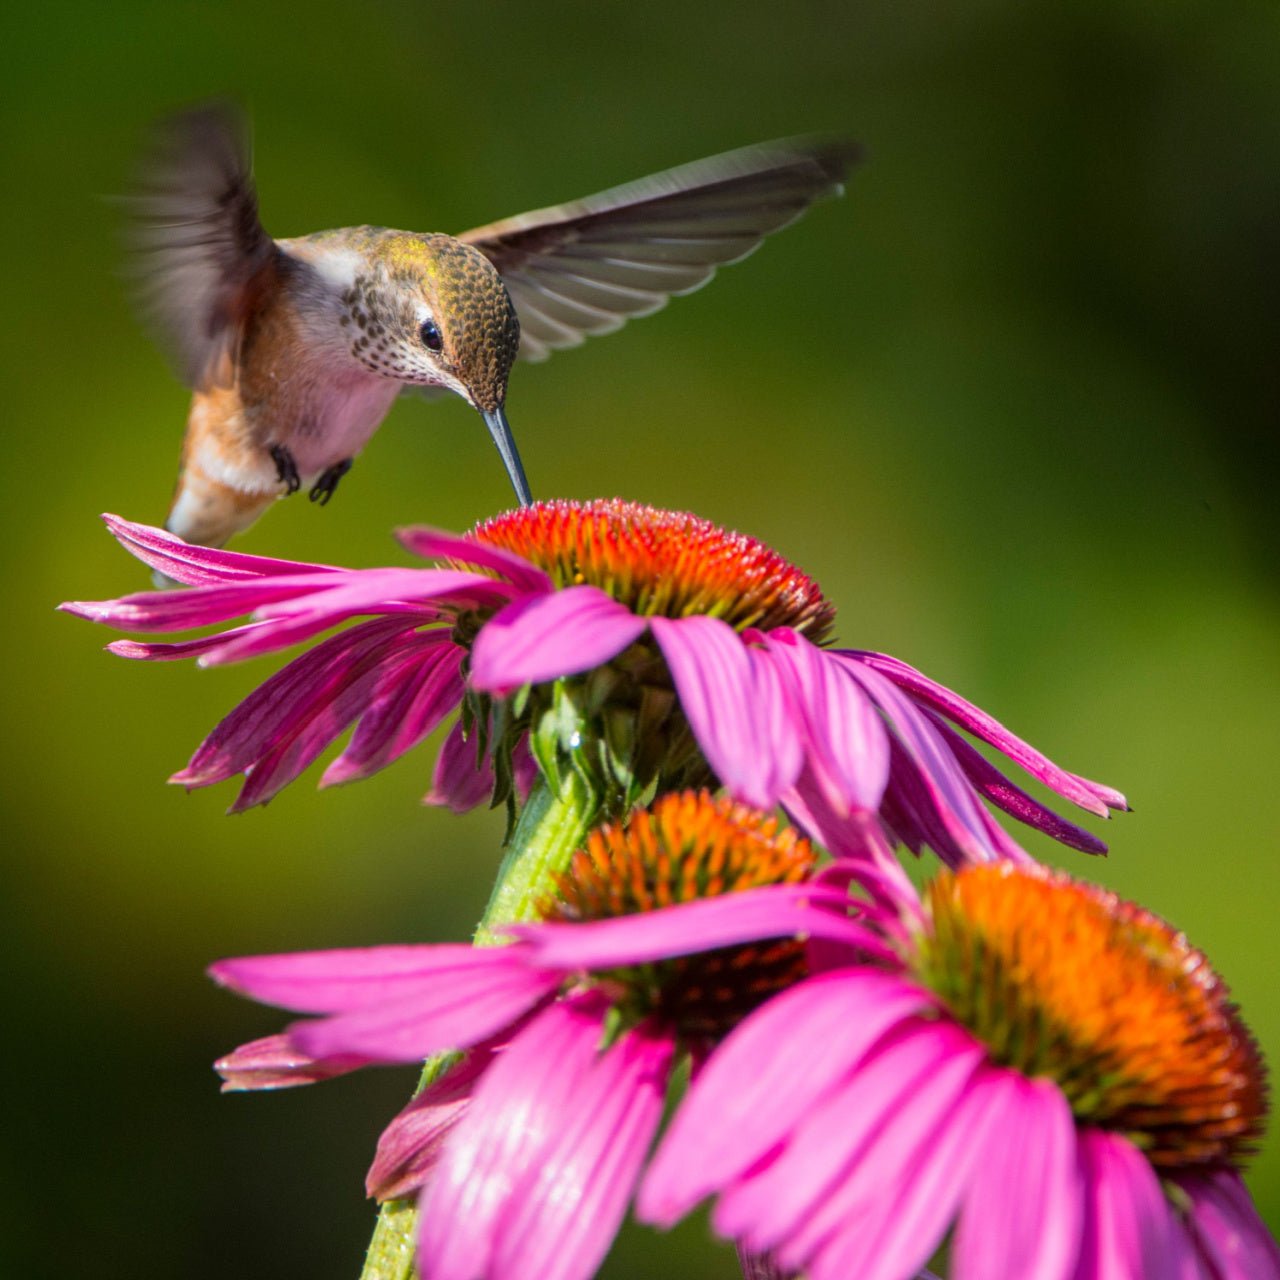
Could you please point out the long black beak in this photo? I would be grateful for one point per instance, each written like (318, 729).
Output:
(496, 421)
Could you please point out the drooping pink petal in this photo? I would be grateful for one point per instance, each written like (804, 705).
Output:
(1128, 1226)
(299, 701)
(731, 706)
(994, 786)
(541, 637)
(459, 781)
(1093, 796)
(274, 1063)
(780, 1062)
(771, 911)
(412, 1143)
(952, 799)
(160, 651)
(437, 544)
(833, 1157)
(199, 566)
(1023, 1217)
(756, 1266)
(845, 741)
(198, 606)
(893, 1241)
(1226, 1224)
(410, 699)
(372, 590)
(517, 1113)
(563, 1220)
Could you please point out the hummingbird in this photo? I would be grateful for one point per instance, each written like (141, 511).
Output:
(295, 349)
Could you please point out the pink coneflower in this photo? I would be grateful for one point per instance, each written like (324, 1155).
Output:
(1055, 1071)
(646, 649)
(658, 940)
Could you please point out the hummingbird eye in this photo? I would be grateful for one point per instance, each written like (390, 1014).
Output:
(431, 336)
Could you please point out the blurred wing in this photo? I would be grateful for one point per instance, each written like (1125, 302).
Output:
(587, 267)
(199, 253)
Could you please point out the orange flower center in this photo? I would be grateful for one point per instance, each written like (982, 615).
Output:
(1065, 980)
(665, 563)
(687, 846)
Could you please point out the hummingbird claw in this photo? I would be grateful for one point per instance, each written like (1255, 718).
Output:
(286, 469)
(324, 488)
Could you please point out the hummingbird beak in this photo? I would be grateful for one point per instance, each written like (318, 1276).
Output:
(496, 421)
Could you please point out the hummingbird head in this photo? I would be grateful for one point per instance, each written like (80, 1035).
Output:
(435, 313)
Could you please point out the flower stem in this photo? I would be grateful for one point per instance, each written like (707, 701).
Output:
(550, 828)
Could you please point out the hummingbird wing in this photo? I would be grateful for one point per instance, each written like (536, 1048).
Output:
(587, 267)
(199, 254)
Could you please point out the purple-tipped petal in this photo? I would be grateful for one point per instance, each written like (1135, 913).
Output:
(1093, 796)
(784, 1059)
(1227, 1227)
(274, 1063)
(199, 566)
(562, 1222)
(734, 708)
(845, 742)
(517, 1112)
(1023, 1217)
(542, 637)
(771, 911)
(995, 787)
(1128, 1231)
(412, 1143)
(410, 699)
(437, 544)
(459, 781)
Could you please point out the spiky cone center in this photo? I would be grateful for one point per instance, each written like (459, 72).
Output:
(683, 848)
(1066, 981)
(663, 563)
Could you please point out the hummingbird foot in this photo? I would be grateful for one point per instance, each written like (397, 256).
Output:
(324, 488)
(286, 469)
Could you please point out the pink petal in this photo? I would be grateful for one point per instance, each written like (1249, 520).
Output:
(1092, 796)
(994, 786)
(772, 1069)
(459, 782)
(161, 652)
(1023, 1217)
(305, 706)
(839, 1155)
(846, 745)
(542, 637)
(732, 705)
(437, 544)
(1226, 1224)
(412, 1143)
(772, 911)
(893, 1241)
(1128, 1226)
(409, 700)
(564, 1218)
(371, 590)
(517, 1114)
(274, 1063)
(198, 566)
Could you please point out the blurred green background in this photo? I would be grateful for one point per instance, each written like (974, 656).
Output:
(1012, 401)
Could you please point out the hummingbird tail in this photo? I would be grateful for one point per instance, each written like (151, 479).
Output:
(207, 512)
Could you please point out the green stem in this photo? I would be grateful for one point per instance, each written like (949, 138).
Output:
(550, 828)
